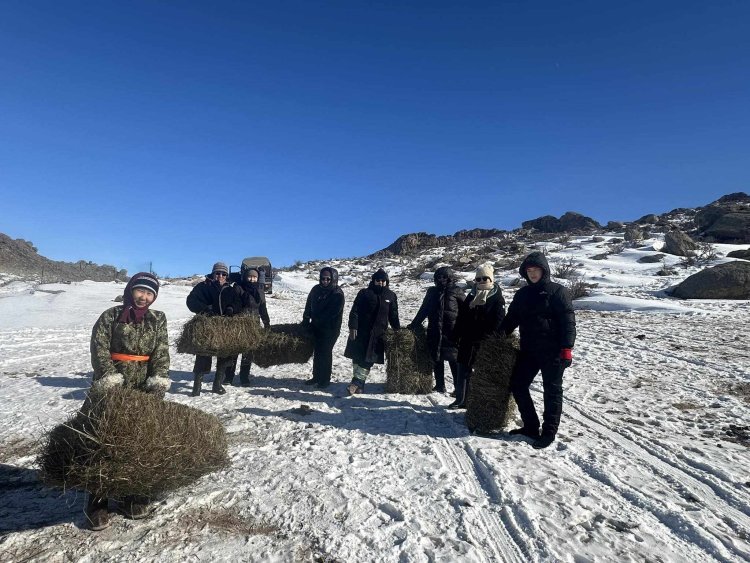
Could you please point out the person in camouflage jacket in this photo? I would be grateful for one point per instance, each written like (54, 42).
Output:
(129, 348)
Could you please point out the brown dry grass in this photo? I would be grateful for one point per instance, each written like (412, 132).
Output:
(219, 336)
(408, 365)
(284, 344)
(225, 521)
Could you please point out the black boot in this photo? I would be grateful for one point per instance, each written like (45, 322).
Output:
(197, 383)
(217, 386)
(245, 375)
(229, 375)
(528, 432)
(97, 513)
(543, 441)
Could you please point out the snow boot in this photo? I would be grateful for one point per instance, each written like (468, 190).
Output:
(97, 513)
(355, 387)
(197, 384)
(245, 376)
(217, 386)
(229, 375)
(543, 441)
(528, 432)
(311, 381)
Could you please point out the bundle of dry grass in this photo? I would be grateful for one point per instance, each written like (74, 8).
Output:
(219, 336)
(489, 405)
(126, 442)
(408, 366)
(283, 344)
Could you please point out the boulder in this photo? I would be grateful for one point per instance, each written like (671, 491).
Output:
(615, 226)
(743, 254)
(725, 281)
(649, 219)
(544, 224)
(678, 243)
(573, 221)
(732, 227)
(651, 258)
(633, 234)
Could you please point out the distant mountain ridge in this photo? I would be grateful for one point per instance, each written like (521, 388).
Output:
(20, 257)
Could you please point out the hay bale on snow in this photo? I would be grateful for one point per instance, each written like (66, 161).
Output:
(126, 442)
(283, 344)
(408, 365)
(489, 405)
(219, 336)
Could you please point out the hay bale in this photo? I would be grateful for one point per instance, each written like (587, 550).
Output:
(489, 405)
(126, 442)
(219, 336)
(283, 344)
(408, 365)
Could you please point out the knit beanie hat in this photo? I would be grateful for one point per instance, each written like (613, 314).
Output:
(144, 280)
(220, 267)
(251, 272)
(485, 271)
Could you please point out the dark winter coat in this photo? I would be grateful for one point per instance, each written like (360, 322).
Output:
(252, 300)
(543, 313)
(440, 308)
(473, 325)
(148, 338)
(324, 309)
(210, 298)
(373, 309)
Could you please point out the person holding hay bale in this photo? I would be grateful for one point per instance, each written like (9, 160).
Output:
(129, 348)
(374, 308)
(252, 300)
(543, 313)
(479, 316)
(324, 311)
(440, 308)
(213, 296)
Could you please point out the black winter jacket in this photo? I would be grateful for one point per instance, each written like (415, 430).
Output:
(324, 309)
(475, 324)
(543, 313)
(210, 298)
(371, 314)
(440, 308)
(252, 300)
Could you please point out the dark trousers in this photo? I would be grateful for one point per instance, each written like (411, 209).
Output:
(203, 365)
(527, 367)
(439, 369)
(323, 356)
(461, 383)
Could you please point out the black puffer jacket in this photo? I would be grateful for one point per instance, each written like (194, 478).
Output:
(252, 300)
(543, 313)
(324, 309)
(440, 308)
(373, 310)
(474, 324)
(210, 298)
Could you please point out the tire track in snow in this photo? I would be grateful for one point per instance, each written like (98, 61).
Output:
(674, 478)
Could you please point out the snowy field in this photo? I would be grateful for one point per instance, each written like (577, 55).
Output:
(651, 463)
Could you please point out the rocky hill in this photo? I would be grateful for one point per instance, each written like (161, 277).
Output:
(19, 257)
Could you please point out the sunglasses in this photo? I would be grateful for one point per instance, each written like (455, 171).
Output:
(482, 279)
(222, 274)
(325, 279)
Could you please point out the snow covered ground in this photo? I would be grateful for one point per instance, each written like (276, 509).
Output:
(651, 462)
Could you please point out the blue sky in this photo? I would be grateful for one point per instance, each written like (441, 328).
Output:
(181, 133)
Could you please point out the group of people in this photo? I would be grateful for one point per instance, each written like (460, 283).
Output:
(129, 344)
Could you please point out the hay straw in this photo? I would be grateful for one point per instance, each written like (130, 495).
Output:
(126, 442)
(219, 336)
(408, 365)
(489, 405)
(283, 344)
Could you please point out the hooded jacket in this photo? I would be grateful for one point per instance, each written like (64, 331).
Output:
(474, 324)
(210, 298)
(324, 309)
(543, 313)
(252, 300)
(440, 307)
(374, 308)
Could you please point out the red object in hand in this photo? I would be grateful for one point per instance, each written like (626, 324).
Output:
(566, 354)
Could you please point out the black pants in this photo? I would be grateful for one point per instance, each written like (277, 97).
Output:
(439, 369)
(527, 367)
(461, 383)
(323, 356)
(203, 365)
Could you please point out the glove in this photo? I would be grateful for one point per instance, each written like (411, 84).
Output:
(566, 357)
(352, 334)
(109, 381)
(229, 311)
(157, 386)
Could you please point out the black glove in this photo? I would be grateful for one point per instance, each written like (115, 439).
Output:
(229, 311)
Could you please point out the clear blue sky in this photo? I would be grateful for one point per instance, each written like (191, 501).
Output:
(187, 132)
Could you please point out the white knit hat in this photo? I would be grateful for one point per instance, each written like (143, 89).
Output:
(485, 271)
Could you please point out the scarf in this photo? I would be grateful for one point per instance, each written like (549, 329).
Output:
(131, 314)
(481, 295)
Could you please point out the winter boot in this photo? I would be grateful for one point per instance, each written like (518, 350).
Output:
(311, 381)
(197, 384)
(97, 513)
(245, 375)
(355, 387)
(229, 375)
(543, 441)
(532, 433)
(134, 507)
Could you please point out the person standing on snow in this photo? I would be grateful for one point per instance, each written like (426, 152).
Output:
(440, 308)
(373, 309)
(252, 301)
(129, 348)
(323, 314)
(479, 316)
(543, 312)
(213, 296)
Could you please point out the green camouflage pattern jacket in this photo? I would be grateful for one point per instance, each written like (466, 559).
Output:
(148, 338)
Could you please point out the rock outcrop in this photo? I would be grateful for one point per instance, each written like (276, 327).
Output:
(725, 281)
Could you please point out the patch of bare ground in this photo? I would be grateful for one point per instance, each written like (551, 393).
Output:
(313, 552)
(15, 448)
(226, 521)
(741, 390)
(685, 406)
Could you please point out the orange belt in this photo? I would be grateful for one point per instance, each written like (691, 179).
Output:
(128, 358)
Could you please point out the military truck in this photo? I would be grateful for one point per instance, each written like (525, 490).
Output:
(260, 263)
